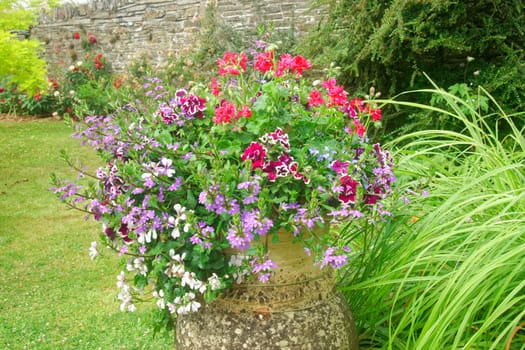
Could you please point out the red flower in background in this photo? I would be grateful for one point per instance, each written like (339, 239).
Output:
(231, 62)
(1, 89)
(215, 90)
(91, 38)
(97, 61)
(53, 83)
(117, 83)
(76, 35)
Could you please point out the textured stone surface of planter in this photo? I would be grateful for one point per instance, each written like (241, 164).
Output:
(298, 309)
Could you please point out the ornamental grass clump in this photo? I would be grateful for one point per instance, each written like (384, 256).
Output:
(196, 182)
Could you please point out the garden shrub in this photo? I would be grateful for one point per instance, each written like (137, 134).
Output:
(390, 44)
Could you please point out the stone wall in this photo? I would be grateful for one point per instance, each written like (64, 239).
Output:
(128, 30)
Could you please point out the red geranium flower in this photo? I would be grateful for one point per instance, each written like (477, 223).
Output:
(264, 62)
(316, 99)
(245, 112)
(300, 64)
(376, 114)
(359, 128)
(76, 35)
(285, 62)
(225, 113)
(231, 63)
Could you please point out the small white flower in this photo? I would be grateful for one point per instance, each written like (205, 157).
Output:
(237, 260)
(93, 251)
(172, 308)
(72, 92)
(121, 280)
(214, 282)
(198, 285)
(181, 212)
(160, 296)
(181, 310)
(175, 233)
(71, 67)
(139, 264)
(56, 93)
(193, 306)
(188, 279)
(79, 63)
(125, 295)
(129, 266)
(177, 257)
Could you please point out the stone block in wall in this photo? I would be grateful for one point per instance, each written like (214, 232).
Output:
(152, 13)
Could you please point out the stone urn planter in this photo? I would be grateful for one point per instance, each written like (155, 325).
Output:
(297, 309)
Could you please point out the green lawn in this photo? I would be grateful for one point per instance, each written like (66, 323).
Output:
(52, 296)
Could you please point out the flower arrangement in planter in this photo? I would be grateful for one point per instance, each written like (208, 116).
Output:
(191, 176)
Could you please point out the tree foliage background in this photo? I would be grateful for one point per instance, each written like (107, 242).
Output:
(20, 61)
(389, 44)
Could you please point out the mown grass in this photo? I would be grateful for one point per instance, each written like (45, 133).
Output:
(52, 296)
(449, 271)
